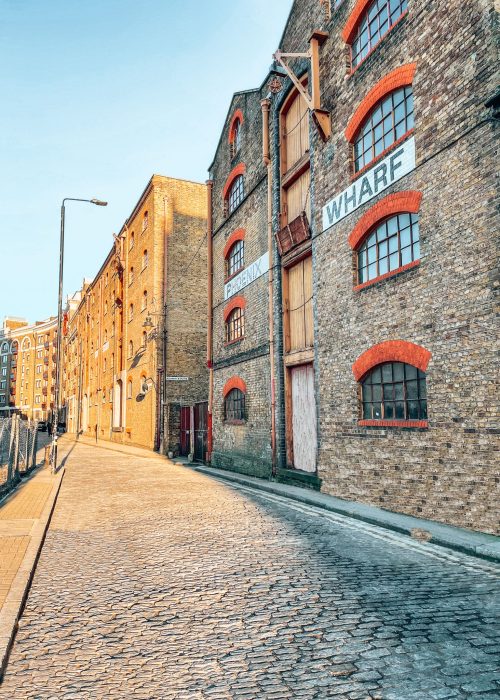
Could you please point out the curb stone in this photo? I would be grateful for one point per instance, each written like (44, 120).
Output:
(476, 544)
(13, 606)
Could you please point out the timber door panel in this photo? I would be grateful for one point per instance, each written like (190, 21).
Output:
(200, 431)
(185, 437)
(303, 418)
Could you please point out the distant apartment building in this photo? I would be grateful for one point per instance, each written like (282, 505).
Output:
(27, 367)
(134, 367)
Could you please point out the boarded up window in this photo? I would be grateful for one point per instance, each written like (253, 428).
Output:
(296, 131)
(300, 315)
(298, 199)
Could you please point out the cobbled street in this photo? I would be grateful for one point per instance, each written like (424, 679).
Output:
(156, 581)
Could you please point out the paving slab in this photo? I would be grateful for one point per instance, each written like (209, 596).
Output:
(24, 517)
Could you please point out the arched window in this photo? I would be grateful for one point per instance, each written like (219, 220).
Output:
(130, 348)
(235, 258)
(145, 221)
(129, 389)
(111, 395)
(235, 137)
(373, 24)
(393, 243)
(26, 344)
(144, 299)
(235, 325)
(387, 122)
(5, 347)
(131, 275)
(394, 391)
(234, 405)
(235, 194)
(105, 307)
(144, 259)
(105, 336)
(131, 312)
(132, 241)
(104, 364)
(144, 338)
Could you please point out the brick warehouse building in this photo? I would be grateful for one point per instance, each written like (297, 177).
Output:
(140, 324)
(381, 175)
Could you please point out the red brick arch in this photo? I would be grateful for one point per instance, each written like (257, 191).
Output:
(396, 203)
(237, 116)
(238, 235)
(235, 303)
(400, 77)
(354, 19)
(234, 383)
(391, 351)
(239, 169)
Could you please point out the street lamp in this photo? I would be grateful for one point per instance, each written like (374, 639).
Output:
(55, 415)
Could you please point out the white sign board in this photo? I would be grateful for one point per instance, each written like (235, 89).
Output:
(247, 276)
(392, 168)
(176, 379)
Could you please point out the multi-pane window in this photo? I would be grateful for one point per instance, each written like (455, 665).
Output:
(235, 325)
(394, 391)
(236, 194)
(389, 121)
(392, 244)
(235, 258)
(234, 405)
(376, 22)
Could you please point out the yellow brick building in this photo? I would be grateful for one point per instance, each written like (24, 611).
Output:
(141, 322)
(27, 367)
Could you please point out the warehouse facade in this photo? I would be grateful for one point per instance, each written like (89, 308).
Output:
(382, 189)
(134, 370)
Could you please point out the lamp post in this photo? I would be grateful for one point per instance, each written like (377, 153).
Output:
(55, 414)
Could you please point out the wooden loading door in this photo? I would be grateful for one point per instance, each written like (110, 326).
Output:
(185, 436)
(200, 431)
(303, 418)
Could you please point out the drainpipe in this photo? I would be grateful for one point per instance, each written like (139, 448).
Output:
(265, 105)
(210, 185)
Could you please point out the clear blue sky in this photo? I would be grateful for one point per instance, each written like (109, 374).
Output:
(98, 96)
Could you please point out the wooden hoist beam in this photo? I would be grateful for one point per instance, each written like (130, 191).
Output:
(321, 117)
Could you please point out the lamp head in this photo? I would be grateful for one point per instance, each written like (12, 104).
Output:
(148, 323)
(99, 202)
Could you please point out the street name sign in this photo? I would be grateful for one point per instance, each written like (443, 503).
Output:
(389, 170)
(176, 379)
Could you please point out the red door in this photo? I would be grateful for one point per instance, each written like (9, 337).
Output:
(185, 430)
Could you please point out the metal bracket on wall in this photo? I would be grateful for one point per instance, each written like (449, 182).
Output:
(321, 117)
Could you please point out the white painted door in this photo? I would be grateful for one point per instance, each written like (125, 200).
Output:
(303, 418)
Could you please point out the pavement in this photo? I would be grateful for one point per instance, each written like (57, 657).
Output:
(157, 581)
(24, 517)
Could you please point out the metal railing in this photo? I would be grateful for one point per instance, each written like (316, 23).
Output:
(18, 447)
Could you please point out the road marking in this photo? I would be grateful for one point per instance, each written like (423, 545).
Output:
(404, 541)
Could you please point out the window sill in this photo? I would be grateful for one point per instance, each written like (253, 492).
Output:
(382, 155)
(375, 47)
(394, 423)
(227, 279)
(392, 273)
(228, 343)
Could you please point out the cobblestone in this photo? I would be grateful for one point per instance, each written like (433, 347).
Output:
(158, 582)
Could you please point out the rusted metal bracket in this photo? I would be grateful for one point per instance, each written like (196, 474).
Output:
(321, 117)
